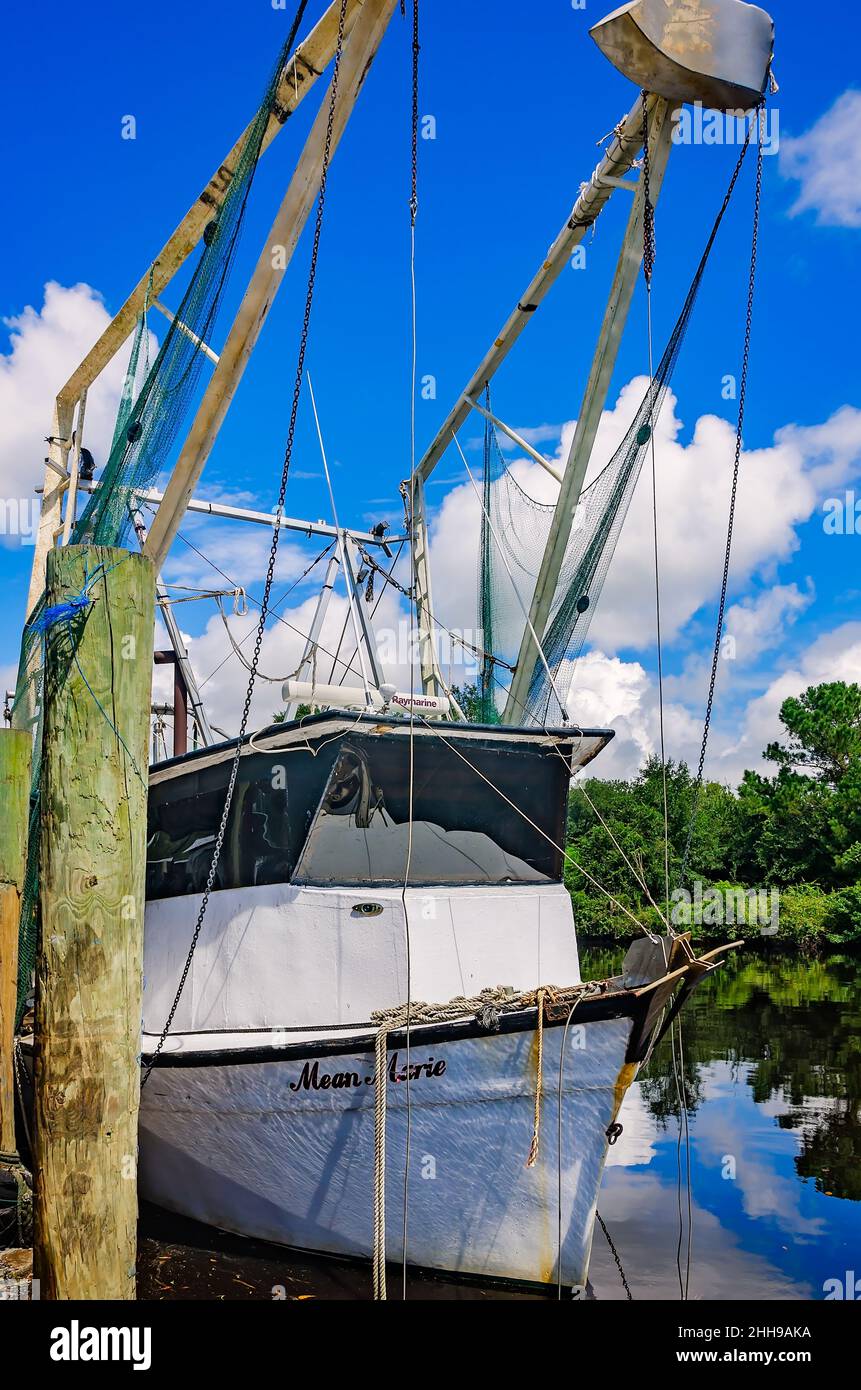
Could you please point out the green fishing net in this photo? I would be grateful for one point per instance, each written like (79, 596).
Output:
(153, 404)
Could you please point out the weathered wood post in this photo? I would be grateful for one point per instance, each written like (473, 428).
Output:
(98, 677)
(15, 750)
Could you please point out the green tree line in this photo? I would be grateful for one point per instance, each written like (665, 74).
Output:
(791, 834)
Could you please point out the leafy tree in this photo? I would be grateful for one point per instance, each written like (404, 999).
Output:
(798, 830)
(469, 699)
(824, 727)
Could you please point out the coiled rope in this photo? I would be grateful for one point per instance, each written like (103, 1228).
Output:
(486, 1007)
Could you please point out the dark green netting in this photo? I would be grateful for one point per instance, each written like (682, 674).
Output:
(154, 401)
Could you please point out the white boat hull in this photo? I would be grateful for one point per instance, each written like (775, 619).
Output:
(258, 1116)
(283, 1149)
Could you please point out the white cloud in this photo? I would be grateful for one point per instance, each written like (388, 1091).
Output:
(238, 549)
(607, 692)
(45, 346)
(780, 488)
(826, 161)
(758, 622)
(623, 696)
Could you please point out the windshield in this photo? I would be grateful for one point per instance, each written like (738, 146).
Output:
(340, 815)
(463, 830)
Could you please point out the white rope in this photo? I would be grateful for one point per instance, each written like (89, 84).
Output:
(380, 1168)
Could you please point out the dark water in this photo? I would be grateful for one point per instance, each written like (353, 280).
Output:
(772, 1061)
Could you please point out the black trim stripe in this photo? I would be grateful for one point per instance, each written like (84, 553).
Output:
(617, 1004)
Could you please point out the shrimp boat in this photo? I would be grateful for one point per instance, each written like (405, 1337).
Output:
(365, 1030)
(259, 1116)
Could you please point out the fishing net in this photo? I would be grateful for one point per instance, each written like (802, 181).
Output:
(154, 401)
(522, 526)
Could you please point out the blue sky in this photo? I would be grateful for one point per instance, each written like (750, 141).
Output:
(520, 99)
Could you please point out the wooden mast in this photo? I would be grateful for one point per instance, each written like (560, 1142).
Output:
(594, 195)
(300, 74)
(268, 275)
(589, 415)
(96, 702)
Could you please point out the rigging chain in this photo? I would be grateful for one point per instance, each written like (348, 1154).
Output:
(276, 531)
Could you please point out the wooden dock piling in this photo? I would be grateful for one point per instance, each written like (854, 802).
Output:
(98, 678)
(15, 751)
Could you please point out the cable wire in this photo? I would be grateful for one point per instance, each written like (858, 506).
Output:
(276, 532)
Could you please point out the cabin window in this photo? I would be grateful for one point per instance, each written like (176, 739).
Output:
(463, 831)
(341, 817)
(273, 804)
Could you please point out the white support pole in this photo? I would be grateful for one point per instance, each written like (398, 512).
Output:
(588, 419)
(268, 275)
(74, 470)
(269, 519)
(364, 618)
(307, 662)
(517, 439)
(198, 709)
(186, 331)
(430, 675)
(201, 718)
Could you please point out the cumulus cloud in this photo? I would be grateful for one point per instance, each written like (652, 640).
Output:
(607, 692)
(782, 485)
(826, 161)
(45, 346)
(780, 488)
(623, 696)
(239, 550)
(758, 622)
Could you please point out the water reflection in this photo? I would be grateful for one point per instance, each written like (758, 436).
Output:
(773, 1074)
